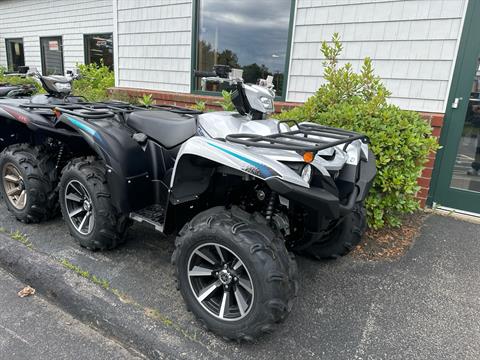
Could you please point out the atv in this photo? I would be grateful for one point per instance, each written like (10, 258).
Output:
(13, 91)
(20, 90)
(58, 89)
(241, 192)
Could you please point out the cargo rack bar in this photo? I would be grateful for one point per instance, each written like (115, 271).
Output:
(300, 140)
(98, 110)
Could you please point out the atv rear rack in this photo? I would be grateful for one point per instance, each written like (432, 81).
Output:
(100, 110)
(308, 137)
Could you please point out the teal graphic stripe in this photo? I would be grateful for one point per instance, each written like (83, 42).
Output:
(82, 126)
(264, 170)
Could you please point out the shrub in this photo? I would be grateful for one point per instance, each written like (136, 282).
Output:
(226, 103)
(200, 106)
(94, 82)
(401, 140)
(147, 100)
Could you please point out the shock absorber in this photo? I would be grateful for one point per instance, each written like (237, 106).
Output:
(59, 156)
(270, 206)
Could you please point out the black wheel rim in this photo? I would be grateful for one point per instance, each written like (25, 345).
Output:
(220, 282)
(79, 206)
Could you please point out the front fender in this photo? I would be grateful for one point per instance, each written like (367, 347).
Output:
(127, 165)
(218, 152)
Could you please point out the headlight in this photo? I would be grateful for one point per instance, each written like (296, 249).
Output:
(267, 102)
(307, 173)
(63, 86)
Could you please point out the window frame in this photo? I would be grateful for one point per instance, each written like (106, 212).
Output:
(85, 47)
(194, 53)
(42, 52)
(7, 40)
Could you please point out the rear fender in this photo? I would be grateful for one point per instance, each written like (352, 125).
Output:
(127, 165)
(15, 125)
(199, 156)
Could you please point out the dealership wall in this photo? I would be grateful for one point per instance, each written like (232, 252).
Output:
(32, 19)
(154, 44)
(413, 45)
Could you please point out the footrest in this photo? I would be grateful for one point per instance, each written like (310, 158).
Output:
(153, 215)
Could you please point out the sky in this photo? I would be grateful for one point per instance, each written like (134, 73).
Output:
(257, 31)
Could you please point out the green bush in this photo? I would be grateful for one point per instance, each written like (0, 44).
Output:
(200, 106)
(94, 82)
(226, 102)
(147, 100)
(401, 140)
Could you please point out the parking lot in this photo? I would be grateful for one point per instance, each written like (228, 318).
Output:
(424, 305)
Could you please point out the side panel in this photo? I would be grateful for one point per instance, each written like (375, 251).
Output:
(217, 153)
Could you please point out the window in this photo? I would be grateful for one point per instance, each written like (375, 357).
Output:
(247, 34)
(98, 49)
(52, 55)
(15, 56)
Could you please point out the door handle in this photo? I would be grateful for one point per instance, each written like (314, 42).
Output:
(456, 102)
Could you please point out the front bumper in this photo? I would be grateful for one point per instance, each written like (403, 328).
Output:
(320, 201)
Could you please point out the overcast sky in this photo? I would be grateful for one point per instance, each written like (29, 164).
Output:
(257, 31)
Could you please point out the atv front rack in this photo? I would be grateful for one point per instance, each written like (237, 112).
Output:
(308, 137)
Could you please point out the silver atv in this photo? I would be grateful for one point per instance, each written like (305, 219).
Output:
(241, 192)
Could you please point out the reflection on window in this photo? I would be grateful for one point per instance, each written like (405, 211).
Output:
(98, 49)
(466, 171)
(247, 34)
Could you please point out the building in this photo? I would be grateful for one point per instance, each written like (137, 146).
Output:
(426, 51)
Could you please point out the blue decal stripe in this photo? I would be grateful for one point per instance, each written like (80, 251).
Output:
(82, 126)
(264, 170)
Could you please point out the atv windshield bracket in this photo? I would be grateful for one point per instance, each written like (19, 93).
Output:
(308, 137)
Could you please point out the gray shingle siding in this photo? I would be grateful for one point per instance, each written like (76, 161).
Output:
(154, 44)
(32, 19)
(412, 43)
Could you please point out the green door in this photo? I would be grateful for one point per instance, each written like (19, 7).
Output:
(457, 172)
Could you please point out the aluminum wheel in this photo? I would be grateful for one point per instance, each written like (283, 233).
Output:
(79, 207)
(14, 186)
(220, 281)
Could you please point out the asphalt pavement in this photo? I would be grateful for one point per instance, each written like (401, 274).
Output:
(422, 306)
(32, 328)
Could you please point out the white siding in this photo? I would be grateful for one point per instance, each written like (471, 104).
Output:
(154, 44)
(412, 43)
(32, 19)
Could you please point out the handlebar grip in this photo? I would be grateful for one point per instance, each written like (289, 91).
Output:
(197, 73)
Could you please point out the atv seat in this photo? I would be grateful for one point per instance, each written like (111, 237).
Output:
(168, 128)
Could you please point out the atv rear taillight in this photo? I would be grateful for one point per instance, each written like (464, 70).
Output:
(20, 117)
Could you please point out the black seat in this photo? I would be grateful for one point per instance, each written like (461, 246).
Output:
(168, 128)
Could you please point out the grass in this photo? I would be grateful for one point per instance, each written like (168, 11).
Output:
(17, 235)
(85, 274)
(149, 312)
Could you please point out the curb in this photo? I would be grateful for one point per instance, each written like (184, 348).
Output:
(95, 306)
